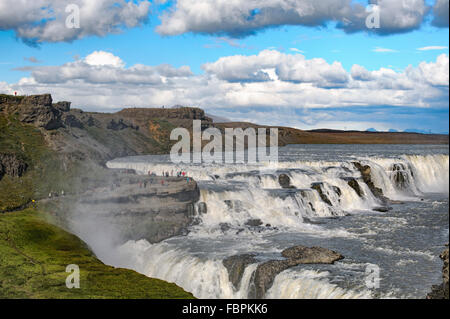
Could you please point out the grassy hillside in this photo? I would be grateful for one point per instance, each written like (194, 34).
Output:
(33, 259)
(34, 252)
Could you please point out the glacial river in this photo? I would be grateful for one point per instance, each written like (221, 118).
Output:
(400, 246)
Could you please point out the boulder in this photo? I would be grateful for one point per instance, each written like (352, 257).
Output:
(285, 181)
(236, 265)
(266, 272)
(264, 276)
(311, 255)
(254, 222)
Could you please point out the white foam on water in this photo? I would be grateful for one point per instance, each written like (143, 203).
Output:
(235, 194)
(310, 284)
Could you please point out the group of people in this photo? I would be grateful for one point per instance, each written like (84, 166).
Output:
(167, 174)
(164, 174)
(55, 194)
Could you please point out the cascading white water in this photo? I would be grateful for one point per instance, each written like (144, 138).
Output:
(235, 194)
(310, 284)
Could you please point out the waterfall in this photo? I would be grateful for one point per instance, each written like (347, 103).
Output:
(233, 195)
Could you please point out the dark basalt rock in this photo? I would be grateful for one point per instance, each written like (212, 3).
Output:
(37, 110)
(254, 222)
(12, 166)
(311, 255)
(224, 227)
(202, 208)
(400, 176)
(236, 266)
(264, 276)
(266, 272)
(62, 106)
(120, 125)
(318, 188)
(382, 209)
(353, 183)
(365, 171)
(71, 120)
(285, 181)
(441, 291)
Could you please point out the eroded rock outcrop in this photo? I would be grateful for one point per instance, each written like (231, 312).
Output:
(137, 207)
(318, 188)
(365, 171)
(311, 255)
(441, 291)
(266, 272)
(37, 110)
(285, 181)
(12, 166)
(353, 183)
(236, 265)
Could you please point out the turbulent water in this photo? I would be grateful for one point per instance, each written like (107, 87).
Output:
(404, 243)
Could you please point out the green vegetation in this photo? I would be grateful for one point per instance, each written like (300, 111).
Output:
(34, 252)
(45, 173)
(34, 255)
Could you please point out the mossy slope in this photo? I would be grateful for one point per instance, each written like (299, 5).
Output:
(34, 255)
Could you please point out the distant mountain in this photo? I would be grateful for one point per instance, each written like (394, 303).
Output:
(413, 130)
(392, 130)
(371, 130)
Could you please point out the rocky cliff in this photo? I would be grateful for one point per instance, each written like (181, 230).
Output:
(79, 144)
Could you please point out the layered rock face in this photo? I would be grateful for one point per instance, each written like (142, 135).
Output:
(37, 110)
(11, 165)
(141, 207)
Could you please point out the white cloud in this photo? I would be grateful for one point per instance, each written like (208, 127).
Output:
(429, 48)
(270, 79)
(383, 50)
(296, 50)
(290, 68)
(103, 58)
(45, 20)
(102, 67)
(239, 18)
(440, 11)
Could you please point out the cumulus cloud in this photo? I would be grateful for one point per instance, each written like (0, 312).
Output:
(240, 87)
(45, 20)
(290, 68)
(103, 67)
(240, 18)
(440, 11)
(395, 16)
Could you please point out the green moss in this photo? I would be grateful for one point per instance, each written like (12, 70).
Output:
(34, 255)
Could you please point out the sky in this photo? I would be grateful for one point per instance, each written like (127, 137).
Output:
(301, 63)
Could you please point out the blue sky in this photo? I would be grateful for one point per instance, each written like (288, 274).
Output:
(147, 45)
